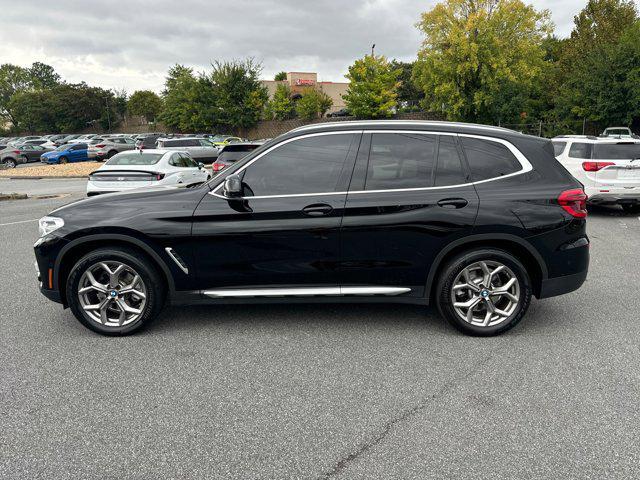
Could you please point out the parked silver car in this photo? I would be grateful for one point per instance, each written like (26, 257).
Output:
(106, 148)
(201, 150)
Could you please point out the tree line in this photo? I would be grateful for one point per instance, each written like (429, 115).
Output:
(485, 61)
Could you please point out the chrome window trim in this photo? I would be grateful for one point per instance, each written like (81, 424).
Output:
(304, 291)
(524, 163)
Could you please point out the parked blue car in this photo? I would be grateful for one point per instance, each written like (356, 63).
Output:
(70, 152)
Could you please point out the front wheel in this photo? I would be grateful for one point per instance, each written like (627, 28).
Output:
(484, 292)
(115, 291)
(64, 160)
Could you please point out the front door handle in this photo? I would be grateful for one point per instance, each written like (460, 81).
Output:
(317, 210)
(453, 203)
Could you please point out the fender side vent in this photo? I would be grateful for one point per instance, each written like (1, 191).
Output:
(177, 259)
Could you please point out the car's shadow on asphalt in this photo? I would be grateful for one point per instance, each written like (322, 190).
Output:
(603, 211)
(294, 316)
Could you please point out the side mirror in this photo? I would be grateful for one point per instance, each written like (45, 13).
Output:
(233, 186)
(200, 165)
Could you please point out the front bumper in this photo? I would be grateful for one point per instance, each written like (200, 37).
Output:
(46, 250)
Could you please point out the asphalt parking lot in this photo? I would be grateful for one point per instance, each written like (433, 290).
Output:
(320, 391)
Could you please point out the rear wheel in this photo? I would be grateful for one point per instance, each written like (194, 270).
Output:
(111, 153)
(115, 291)
(64, 160)
(484, 292)
(631, 208)
(10, 163)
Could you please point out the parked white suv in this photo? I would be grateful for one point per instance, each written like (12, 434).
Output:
(608, 168)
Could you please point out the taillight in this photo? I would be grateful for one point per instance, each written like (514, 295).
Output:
(574, 202)
(100, 146)
(218, 166)
(159, 176)
(17, 152)
(595, 166)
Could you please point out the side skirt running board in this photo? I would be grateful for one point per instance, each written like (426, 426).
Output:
(304, 292)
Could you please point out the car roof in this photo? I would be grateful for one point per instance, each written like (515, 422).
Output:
(594, 140)
(151, 150)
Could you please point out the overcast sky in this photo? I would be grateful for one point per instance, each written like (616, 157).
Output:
(131, 44)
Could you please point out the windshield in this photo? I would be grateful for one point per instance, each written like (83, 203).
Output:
(135, 158)
(218, 138)
(233, 153)
(616, 151)
(62, 148)
(617, 131)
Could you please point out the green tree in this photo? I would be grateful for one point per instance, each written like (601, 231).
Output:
(313, 104)
(476, 51)
(13, 79)
(280, 76)
(43, 76)
(281, 106)
(239, 97)
(145, 103)
(64, 108)
(181, 89)
(408, 91)
(599, 65)
(372, 92)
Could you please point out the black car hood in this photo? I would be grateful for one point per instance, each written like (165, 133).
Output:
(140, 198)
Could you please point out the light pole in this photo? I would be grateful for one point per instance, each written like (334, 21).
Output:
(106, 102)
(372, 49)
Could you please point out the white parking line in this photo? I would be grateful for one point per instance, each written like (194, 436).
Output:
(15, 223)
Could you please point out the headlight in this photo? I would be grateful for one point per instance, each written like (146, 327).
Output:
(46, 225)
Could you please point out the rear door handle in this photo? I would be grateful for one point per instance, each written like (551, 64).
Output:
(453, 203)
(317, 210)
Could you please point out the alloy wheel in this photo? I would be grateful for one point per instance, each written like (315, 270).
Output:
(485, 293)
(112, 294)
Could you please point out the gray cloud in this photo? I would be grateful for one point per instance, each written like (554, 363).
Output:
(132, 44)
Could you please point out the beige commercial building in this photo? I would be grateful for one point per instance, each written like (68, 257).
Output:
(301, 81)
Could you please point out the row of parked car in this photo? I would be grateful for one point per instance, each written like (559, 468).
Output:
(54, 149)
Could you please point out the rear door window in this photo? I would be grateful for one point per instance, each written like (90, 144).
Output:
(400, 160)
(488, 159)
(580, 150)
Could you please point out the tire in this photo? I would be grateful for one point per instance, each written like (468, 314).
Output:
(63, 160)
(512, 304)
(142, 303)
(111, 153)
(10, 163)
(631, 208)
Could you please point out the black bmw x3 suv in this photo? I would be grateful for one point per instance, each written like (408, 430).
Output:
(471, 218)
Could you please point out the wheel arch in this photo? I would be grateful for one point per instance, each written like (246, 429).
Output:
(75, 249)
(518, 247)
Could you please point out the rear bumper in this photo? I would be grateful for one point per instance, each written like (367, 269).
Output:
(552, 287)
(609, 195)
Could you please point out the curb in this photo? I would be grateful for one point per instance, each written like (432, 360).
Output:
(25, 177)
(13, 196)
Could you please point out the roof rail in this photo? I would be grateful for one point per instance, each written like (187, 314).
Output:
(434, 123)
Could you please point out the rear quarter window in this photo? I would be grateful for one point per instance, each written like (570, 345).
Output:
(580, 150)
(558, 148)
(488, 159)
